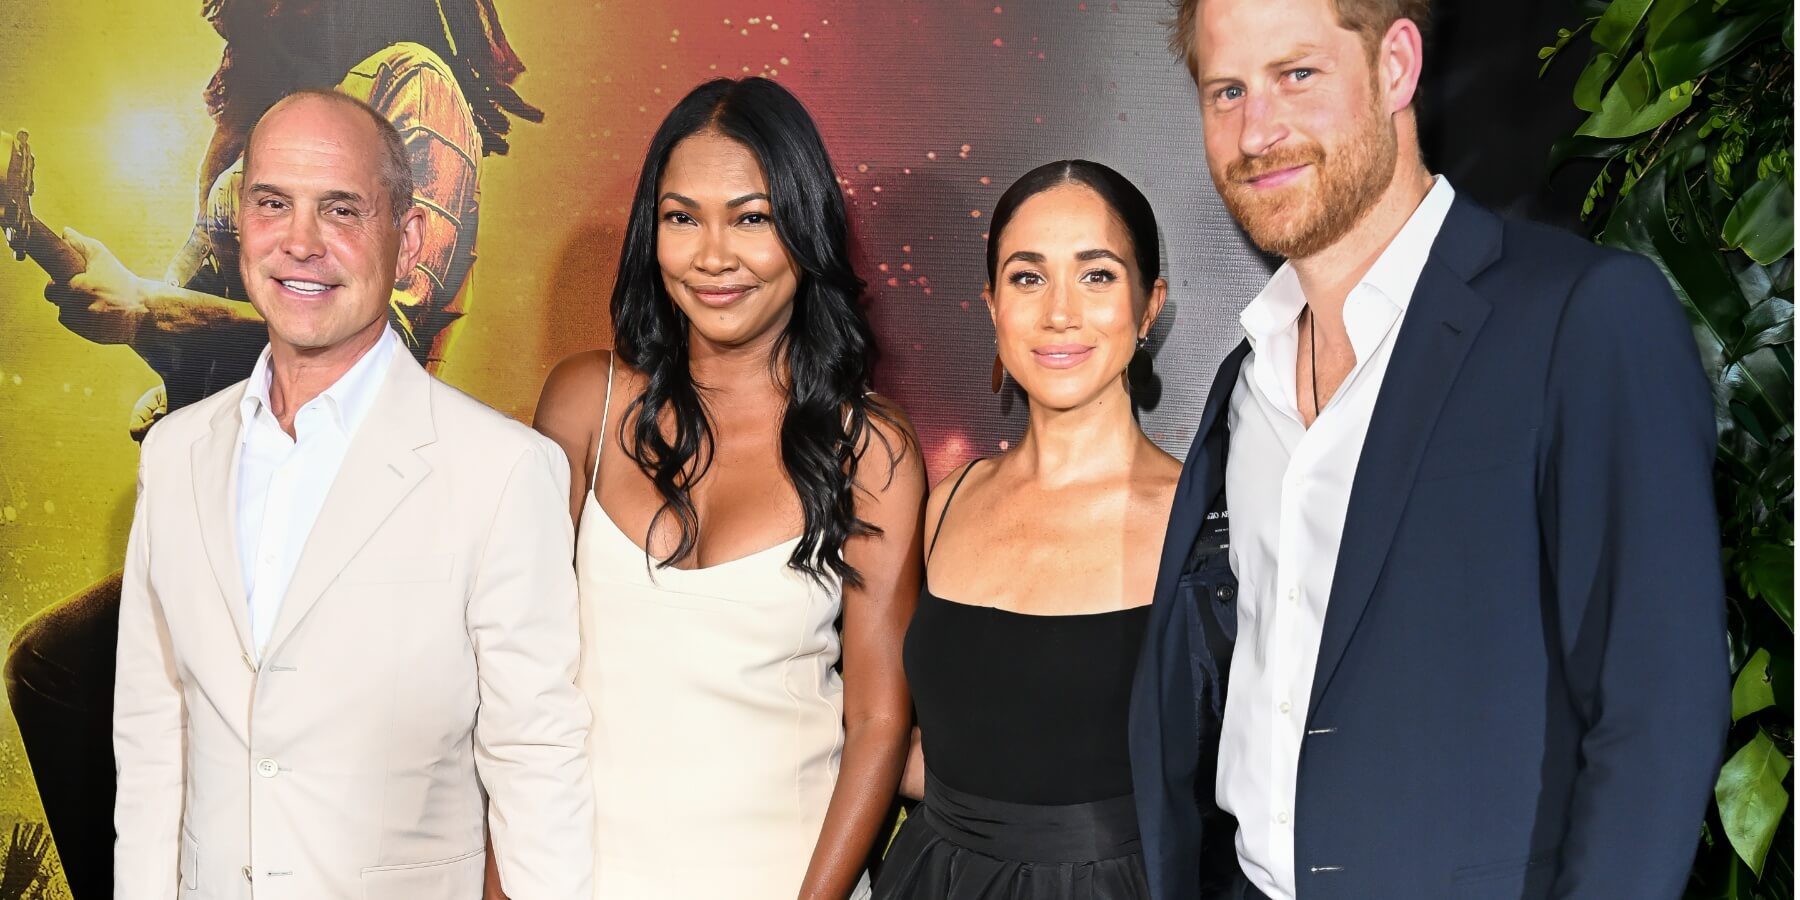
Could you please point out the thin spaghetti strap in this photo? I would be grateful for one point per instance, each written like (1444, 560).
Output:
(605, 411)
(946, 510)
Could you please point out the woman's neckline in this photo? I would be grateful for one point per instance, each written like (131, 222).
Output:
(1025, 615)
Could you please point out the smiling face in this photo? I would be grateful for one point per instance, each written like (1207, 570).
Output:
(1299, 136)
(1068, 305)
(722, 262)
(320, 248)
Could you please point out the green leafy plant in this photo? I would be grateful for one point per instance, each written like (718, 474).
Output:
(1691, 107)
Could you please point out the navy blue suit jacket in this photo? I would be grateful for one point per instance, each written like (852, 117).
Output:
(1522, 688)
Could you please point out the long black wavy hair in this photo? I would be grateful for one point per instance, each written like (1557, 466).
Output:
(825, 355)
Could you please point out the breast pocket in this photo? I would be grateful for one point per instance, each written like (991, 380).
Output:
(423, 568)
(1512, 448)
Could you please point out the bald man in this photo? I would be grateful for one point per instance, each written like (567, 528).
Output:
(348, 606)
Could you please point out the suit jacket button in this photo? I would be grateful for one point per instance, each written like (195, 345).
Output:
(267, 768)
(1225, 592)
(247, 874)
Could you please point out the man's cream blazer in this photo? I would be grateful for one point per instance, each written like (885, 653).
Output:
(425, 650)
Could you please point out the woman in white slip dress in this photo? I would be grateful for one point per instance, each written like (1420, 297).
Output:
(738, 495)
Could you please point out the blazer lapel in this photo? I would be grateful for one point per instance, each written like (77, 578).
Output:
(378, 472)
(1441, 323)
(1195, 487)
(215, 476)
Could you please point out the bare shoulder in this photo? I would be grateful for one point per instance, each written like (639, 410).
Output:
(577, 384)
(1155, 476)
(889, 456)
(958, 479)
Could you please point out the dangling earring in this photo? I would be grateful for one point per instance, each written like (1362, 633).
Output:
(1140, 376)
(999, 370)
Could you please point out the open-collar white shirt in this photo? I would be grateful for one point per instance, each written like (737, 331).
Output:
(1288, 487)
(282, 481)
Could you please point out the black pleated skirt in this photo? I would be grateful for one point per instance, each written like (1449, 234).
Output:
(958, 846)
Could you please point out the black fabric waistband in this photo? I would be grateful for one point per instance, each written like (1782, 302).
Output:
(1076, 832)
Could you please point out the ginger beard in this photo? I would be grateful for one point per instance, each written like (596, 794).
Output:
(1308, 215)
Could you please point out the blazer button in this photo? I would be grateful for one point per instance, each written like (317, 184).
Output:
(267, 768)
(247, 874)
(1225, 592)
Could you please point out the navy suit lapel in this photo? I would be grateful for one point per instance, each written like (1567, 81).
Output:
(1441, 324)
(1165, 742)
(1195, 487)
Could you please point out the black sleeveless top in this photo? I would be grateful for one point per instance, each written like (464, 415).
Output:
(1023, 708)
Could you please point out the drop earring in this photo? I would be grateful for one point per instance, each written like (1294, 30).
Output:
(999, 370)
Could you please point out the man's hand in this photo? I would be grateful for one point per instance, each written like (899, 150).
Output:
(106, 302)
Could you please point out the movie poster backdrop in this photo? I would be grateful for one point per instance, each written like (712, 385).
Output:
(526, 123)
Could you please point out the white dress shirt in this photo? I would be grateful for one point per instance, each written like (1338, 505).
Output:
(282, 481)
(1287, 487)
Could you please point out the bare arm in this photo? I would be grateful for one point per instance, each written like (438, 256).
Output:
(108, 304)
(877, 705)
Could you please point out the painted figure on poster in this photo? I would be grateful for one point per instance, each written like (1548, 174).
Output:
(740, 492)
(1465, 636)
(1021, 654)
(348, 628)
(440, 71)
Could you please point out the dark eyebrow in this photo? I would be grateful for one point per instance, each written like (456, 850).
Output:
(1086, 255)
(747, 198)
(1025, 256)
(679, 198)
(261, 188)
(346, 196)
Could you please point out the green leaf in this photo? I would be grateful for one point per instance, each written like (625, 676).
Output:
(1631, 106)
(1618, 22)
(1761, 387)
(1661, 14)
(1591, 84)
(1762, 222)
(1698, 274)
(1580, 147)
(1753, 691)
(1699, 39)
(1752, 799)
(1769, 323)
(1766, 569)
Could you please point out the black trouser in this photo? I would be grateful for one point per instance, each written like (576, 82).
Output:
(59, 678)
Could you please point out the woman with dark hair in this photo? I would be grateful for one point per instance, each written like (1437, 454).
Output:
(738, 492)
(1039, 582)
